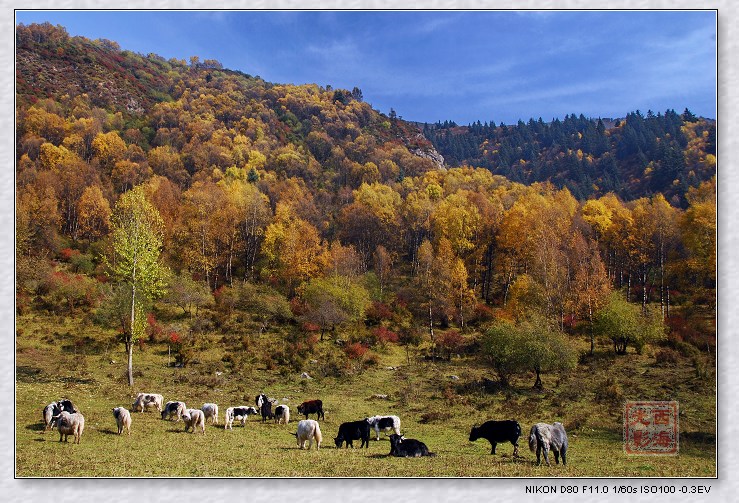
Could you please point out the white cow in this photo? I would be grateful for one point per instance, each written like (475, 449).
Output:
(308, 431)
(194, 418)
(69, 424)
(210, 410)
(282, 414)
(122, 419)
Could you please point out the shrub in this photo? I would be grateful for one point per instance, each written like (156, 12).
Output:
(378, 312)
(609, 391)
(68, 292)
(153, 329)
(66, 254)
(666, 356)
(482, 314)
(355, 350)
(383, 335)
(701, 369)
(686, 349)
(434, 417)
(450, 342)
(82, 263)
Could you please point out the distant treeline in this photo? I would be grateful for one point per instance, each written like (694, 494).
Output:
(632, 157)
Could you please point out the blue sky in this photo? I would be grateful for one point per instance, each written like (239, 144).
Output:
(461, 66)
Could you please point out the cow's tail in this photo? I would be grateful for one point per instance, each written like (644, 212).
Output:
(294, 434)
(533, 438)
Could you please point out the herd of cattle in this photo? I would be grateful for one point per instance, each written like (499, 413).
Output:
(543, 437)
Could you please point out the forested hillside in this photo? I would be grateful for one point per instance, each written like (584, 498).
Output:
(303, 207)
(633, 157)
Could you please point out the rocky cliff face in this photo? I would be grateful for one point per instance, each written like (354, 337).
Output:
(421, 147)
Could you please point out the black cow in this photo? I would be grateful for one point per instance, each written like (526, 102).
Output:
(498, 432)
(67, 405)
(354, 430)
(312, 407)
(266, 410)
(407, 447)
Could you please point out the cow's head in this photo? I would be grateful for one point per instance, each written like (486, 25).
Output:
(338, 441)
(474, 433)
(395, 439)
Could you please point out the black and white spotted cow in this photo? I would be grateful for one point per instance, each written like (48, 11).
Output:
(384, 423)
(173, 409)
(146, 401)
(240, 413)
(54, 409)
(282, 414)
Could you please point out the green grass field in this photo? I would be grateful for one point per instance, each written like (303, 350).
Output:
(432, 406)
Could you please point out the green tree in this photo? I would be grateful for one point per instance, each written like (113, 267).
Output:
(185, 292)
(136, 236)
(544, 348)
(501, 348)
(627, 325)
(334, 300)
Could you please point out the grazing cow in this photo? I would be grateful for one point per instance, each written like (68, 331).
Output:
(173, 409)
(54, 408)
(498, 432)
(282, 414)
(210, 410)
(194, 418)
(312, 407)
(308, 431)
(69, 424)
(355, 430)
(544, 437)
(402, 447)
(241, 413)
(384, 423)
(122, 419)
(147, 401)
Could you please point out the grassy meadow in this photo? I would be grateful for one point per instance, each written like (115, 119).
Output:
(434, 407)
